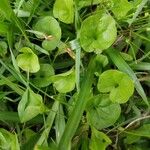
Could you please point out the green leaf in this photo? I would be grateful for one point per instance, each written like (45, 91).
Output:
(48, 26)
(99, 140)
(123, 66)
(102, 59)
(28, 61)
(126, 56)
(101, 112)
(64, 10)
(30, 106)
(119, 84)
(121, 8)
(8, 140)
(64, 82)
(42, 77)
(98, 32)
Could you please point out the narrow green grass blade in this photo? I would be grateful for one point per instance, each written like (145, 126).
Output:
(10, 44)
(144, 66)
(76, 114)
(13, 117)
(36, 3)
(139, 9)
(59, 123)
(123, 66)
(48, 124)
(75, 46)
(19, 5)
(6, 9)
(10, 15)
(12, 85)
(38, 48)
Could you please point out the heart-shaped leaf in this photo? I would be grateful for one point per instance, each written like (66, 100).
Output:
(28, 61)
(49, 27)
(101, 112)
(42, 77)
(30, 106)
(64, 82)
(98, 32)
(64, 10)
(119, 84)
(99, 140)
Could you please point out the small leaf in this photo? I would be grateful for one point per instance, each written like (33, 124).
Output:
(99, 140)
(119, 84)
(42, 77)
(64, 10)
(30, 106)
(101, 112)
(28, 61)
(102, 59)
(121, 7)
(64, 82)
(126, 56)
(8, 140)
(49, 27)
(98, 32)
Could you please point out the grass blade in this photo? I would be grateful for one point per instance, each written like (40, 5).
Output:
(123, 66)
(48, 124)
(139, 9)
(74, 119)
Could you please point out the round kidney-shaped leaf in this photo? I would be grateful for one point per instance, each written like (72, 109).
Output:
(101, 112)
(28, 61)
(51, 29)
(98, 32)
(119, 84)
(64, 82)
(42, 77)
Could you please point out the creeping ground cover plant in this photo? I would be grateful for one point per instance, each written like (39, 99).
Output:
(74, 74)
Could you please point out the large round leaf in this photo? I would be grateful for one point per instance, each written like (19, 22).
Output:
(50, 27)
(119, 84)
(28, 61)
(101, 112)
(42, 77)
(98, 32)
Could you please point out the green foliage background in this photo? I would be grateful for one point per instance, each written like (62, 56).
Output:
(74, 74)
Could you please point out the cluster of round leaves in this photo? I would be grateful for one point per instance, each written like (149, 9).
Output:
(103, 110)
